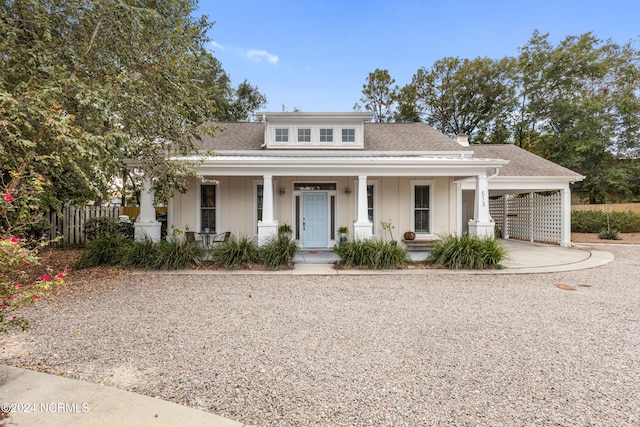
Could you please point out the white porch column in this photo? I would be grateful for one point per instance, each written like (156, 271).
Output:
(481, 225)
(565, 234)
(362, 228)
(267, 227)
(505, 215)
(146, 225)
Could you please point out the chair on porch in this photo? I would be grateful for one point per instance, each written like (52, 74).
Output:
(220, 238)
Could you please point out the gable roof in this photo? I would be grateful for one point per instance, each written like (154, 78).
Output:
(394, 137)
(522, 163)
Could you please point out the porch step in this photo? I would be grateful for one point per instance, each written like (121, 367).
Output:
(419, 244)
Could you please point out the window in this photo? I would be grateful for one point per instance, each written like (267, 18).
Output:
(421, 209)
(370, 203)
(259, 203)
(348, 135)
(208, 207)
(282, 135)
(304, 135)
(326, 135)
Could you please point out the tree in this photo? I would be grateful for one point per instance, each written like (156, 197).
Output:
(379, 96)
(580, 108)
(465, 96)
(87, 84)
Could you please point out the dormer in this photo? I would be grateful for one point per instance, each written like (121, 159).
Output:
(314, 130)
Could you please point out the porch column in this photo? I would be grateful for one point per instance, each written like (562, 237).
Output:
(565, 234)
(146, 226)
(481, 225)
(267, 227)
(505, 215)
(362, 228)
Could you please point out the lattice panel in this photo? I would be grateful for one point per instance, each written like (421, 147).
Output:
(534, 217)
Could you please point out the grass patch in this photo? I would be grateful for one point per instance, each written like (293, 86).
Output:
(103, 250)
(236, 252)
(372, 253)
(278, 251)
(465, 251)
(176, 254)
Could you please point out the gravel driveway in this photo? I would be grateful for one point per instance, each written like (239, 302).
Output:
(358, 350)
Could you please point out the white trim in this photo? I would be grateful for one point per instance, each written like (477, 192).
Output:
(430, 184)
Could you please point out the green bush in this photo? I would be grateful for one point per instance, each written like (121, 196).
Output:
(465, 251)
(609, 234)
(278, 251)
(236, 252)
(107, 226)
(178, 253)
(595, 221)
(103, 250)
(372, 253)
(139, 254)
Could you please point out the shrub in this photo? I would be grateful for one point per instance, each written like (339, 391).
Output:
(107, 226)
(278, 251)
(465, 251)
(177, 253)
(139, 254)
(609, 234)
(236, 252)
(372, 253)
(595, 221)
(104, 250)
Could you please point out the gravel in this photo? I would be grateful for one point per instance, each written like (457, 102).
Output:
(400, 350)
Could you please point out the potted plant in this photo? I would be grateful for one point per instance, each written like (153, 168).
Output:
(285, 231)
(189, 235)
(343, 233)
(388, 226)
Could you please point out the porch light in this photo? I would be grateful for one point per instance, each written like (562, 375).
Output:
(282, 191)
(347, 191)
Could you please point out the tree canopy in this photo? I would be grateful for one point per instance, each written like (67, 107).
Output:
(86, 84)
(577, 104)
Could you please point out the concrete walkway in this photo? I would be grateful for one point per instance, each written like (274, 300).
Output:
(37, 399)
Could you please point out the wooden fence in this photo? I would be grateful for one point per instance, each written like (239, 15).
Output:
(70, 224)
(134, 211)
(612, 207)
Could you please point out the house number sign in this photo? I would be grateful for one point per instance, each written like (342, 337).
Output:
(482, 194)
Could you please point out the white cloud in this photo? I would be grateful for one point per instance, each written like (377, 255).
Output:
(260, 55)
(214, 44)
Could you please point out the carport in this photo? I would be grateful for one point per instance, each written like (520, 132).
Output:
(529, 198)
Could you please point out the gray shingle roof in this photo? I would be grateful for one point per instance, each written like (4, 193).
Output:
(521, 161)
(407, 137)
(398, 137)
(377, 137)
(234, 136)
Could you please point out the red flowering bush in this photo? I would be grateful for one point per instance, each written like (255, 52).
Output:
(14, 256)
(20, 208)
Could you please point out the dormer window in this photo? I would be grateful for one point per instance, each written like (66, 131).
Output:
(326, 135)
(348, 135)
(282, 135)
(304, 135)
(313, 131)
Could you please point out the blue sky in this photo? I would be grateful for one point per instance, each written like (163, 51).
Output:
(316, 55)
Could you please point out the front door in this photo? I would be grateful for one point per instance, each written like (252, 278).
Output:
(314, 222)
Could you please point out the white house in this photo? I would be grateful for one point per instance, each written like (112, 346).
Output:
(321, 171)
